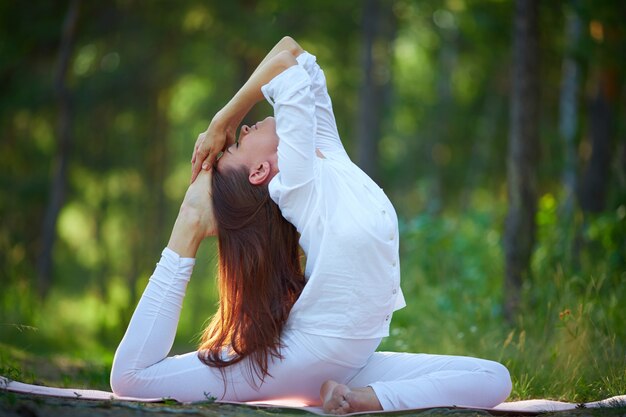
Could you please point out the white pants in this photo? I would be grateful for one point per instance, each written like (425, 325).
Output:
(141, 367)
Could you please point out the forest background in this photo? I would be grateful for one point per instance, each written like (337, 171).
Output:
(496, 128)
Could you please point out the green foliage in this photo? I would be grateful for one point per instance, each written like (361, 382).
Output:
(568, 342)
(451, 275)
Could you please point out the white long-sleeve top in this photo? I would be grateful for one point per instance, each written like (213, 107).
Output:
(348, 227)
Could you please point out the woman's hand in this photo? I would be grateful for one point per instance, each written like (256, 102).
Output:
(195, 219)
(221, 131)
(219, 135)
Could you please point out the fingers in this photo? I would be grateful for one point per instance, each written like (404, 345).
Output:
(201, 163)
(196, 146)
(207, 147)
(194, 173)
(200, 158)
(204, 160)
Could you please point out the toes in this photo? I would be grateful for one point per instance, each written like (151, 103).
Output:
(339, 405)
(335, 398)
(326, 390)
(342, 408)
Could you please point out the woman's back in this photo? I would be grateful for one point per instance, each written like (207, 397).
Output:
(348, 226)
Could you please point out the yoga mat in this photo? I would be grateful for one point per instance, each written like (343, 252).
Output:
(527, 407)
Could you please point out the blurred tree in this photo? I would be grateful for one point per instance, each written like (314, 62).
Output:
(438, 142)
(519, 231)
(377, 33)
(602, 186)
(146, 77)
(568, 107)
(64, 142)
(601, 108)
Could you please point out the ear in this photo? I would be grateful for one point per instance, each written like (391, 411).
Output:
(259, 173)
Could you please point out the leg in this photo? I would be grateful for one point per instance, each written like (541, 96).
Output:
(142, 368)
(403, 380)
(185, 378)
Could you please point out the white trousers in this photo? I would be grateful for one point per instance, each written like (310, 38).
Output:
(142, 369)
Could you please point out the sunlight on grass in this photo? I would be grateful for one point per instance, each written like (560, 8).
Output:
(574, 345)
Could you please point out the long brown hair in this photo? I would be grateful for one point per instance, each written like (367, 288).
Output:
(259, 275)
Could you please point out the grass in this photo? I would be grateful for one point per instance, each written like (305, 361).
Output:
(569, 342)
(53, 369)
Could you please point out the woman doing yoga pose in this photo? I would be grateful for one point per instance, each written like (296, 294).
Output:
(281, 332)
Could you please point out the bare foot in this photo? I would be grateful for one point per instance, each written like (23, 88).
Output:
(339, 399)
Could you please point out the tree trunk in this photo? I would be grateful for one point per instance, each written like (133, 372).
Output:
(378, 30)
(568, 130)
(444, 112)
(595, 180)
(64, 138)
(519, 231)
(568, 116)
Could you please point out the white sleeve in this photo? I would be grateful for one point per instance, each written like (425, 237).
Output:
(326, 135)
(294, 109)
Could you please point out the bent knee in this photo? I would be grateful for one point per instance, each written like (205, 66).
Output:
(119, 384)
(124, 383)
(502, 384)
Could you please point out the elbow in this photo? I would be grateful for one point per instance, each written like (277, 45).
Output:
(284, 60)
(289, 44)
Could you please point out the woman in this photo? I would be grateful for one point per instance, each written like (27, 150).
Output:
(274, 337)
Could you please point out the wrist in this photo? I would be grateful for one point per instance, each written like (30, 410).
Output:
(196, 222)
(188, 215)
(187, 234)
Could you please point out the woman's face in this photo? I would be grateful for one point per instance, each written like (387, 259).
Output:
(256, 144)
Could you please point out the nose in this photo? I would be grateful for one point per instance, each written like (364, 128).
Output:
(245, 129)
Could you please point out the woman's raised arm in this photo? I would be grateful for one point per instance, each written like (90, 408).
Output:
(221, 131)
